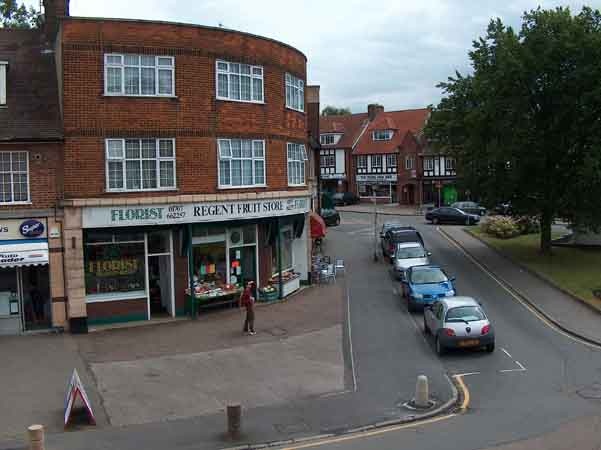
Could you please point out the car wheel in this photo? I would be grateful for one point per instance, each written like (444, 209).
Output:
(426, 329)
(410, 305)
(439, 347)
(435, 221)
(490, 348)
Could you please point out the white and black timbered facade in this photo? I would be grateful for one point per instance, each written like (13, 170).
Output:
(439, 166)
(377, 164)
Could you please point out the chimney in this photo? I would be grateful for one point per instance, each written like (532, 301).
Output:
(53, 11)
(373, 110)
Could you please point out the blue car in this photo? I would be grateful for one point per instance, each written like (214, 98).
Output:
(424, 285)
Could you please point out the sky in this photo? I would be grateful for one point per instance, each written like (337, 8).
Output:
(392, 52)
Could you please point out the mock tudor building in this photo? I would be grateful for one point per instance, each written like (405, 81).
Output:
(185, 154)
(32, 294)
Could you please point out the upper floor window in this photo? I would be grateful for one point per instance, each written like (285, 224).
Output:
(449, 163)
(362, 162)
(297, 155)
(428, 164)
(241, 163)
(382, 135)
(14, 177)
(329, 139)
(3, 67)
(139, 75)
(140, 164)
(239, 82)
(327, 158)
(409, 162)
(376, 161)
(295, 93)
(390, 160)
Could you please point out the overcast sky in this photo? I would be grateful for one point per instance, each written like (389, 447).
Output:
(393, 52)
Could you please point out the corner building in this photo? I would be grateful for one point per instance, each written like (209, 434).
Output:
(186, 167)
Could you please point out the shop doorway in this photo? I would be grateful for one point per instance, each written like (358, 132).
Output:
(243, 267)
(161, 299)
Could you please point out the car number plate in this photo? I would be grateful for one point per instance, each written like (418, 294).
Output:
(469, 343)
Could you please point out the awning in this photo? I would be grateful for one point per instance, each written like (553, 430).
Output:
(318, 226)
(25, 254)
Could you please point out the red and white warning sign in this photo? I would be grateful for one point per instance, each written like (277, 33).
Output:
(75, 389)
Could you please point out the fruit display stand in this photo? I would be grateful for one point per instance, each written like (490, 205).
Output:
(228, 295)
(290, 281)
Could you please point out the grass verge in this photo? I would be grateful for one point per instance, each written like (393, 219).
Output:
(576, 270)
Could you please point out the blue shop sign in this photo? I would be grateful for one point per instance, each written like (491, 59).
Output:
(32, 228)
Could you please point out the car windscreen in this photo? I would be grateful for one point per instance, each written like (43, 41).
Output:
(406, 236)
(465, 314)
(410, 252)
(427, 276)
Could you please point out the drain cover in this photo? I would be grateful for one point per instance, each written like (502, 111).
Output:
(592, 392)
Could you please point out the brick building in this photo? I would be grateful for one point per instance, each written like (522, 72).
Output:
(31, 261)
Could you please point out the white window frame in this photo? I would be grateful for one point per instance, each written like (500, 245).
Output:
(122, 67)
(449, 163)
(382, 135)
(12, 184)
(221, 157)
(296, 157)
(229, 73)
(123, 159)
(295, 90)
(3, 89)
(323, 138)
(428, 164)
(391, 160)
(375, 158)
(409, 163)
(361, 161)
(327, 157)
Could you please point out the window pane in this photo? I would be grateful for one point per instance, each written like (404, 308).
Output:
(167, 173)
(224, 172)
(5, 187)
(158, 242)
(5, 161)
(165, 81)
(115, 175)
(20, 187)
(148, 61)
(148, 81)
(131, 60)
(249, 234)
(113, 80)
(224, 148)
(19, 162)
(149, 148)
(132, 174)
(257, 90)
(132, 148)
(234, 68)
(166, 62)
(246, 149)
(236, 152)
(235, 87)
(113, 59)
(132, 80)
(236, 166)
(258, 71)
(245, 69)
(259, 172)
(247, 172)
(166, 148)
(258, 149)
(114, 268)
(245, 88)
(222, 66)
(149, 174)
(222, 85)
(115, 148)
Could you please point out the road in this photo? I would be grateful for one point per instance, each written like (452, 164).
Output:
(537, 381)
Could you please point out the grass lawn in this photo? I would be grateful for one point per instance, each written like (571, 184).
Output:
(576, 270)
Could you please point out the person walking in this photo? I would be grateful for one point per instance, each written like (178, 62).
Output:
(247, 300)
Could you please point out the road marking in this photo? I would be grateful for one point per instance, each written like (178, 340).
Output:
(466, 392)
(538, 315)
(362, 230)
(520, 364)
(466, 374)
(511, 370)
(507, 353)
(350, 338)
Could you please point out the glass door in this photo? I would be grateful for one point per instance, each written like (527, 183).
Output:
(243, 267)
(35, 292)
(161, 300)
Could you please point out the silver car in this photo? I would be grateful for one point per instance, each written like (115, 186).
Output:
(408, 254)
(458, 322)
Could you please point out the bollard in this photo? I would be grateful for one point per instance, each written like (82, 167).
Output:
(36, 437)
(421, 392)
(234, 416)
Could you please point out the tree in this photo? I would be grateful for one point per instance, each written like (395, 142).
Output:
(13, 15)
(526, 124)
(333, 111)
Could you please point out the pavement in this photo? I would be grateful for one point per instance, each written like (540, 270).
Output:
(562, 309)
(385, 209)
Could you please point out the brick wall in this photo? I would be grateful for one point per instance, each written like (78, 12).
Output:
(194, 118)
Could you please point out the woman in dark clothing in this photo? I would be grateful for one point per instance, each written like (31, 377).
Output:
(247, 300)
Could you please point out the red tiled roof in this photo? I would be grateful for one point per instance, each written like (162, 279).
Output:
(350, 125)
(400, 122)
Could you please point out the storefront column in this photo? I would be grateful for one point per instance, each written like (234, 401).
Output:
(190, 270)
(279, 258)
(74, 270)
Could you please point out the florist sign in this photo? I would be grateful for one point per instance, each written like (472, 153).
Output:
(192, 212)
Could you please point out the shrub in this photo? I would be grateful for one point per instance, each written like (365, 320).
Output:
(501, 227)
(528, 224)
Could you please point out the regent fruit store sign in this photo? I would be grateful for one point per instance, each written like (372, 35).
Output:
(192, 212)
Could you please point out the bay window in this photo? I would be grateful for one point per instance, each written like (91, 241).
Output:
(239, 82)
(297, 155)
(241, 163)
(295, 93)
(139, 75)
(140, 164)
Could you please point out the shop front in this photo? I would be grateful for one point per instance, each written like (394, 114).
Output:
(167, 260)
(333, 182)
(382, 187)
(25, 299)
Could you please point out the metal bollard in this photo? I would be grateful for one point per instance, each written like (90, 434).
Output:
(36, 437)
(234, 416)
(421, 392)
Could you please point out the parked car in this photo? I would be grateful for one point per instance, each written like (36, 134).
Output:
(386, 226)
(398, 235)
(345, 198)
(470, 208)
(458, 322)
(423, 285)
(330, 216)
(406, 255)
(451, 215)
